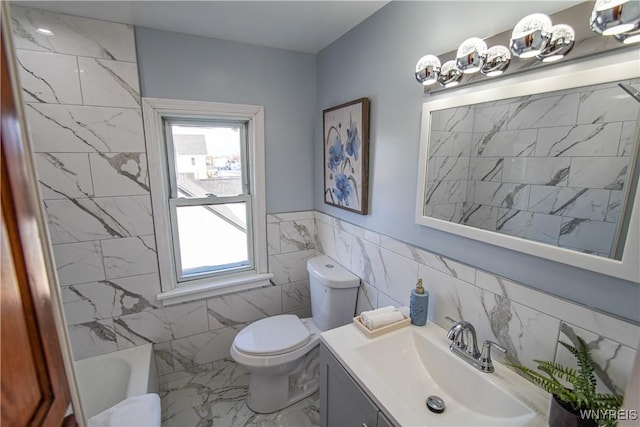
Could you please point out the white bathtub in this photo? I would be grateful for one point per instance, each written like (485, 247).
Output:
(110, 378)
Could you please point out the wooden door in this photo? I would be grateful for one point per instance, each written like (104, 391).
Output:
(34, 385)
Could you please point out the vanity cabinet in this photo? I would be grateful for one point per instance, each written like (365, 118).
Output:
(342, 402)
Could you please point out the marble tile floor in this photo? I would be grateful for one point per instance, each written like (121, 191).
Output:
(215, 397)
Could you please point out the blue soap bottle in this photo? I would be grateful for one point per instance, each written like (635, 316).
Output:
(418, 305)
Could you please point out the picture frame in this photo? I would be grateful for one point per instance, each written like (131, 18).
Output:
(346, 156)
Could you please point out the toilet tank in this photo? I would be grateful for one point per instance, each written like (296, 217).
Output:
(333, 293)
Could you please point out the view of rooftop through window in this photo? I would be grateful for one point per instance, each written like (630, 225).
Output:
(208, 163)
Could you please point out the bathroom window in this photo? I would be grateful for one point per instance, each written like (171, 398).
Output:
(206, 170)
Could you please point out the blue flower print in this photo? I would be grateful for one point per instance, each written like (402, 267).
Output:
(336, 154)
(342, 189)
(353, 141)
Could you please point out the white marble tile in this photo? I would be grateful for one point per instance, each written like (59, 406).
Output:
(480, 216)
(161, 325)
(244, 307)
(439, 192)
(130, 256)
(459, 119)
(72, 35)
(579, 140)
(80, 129)
(109, 83)
(367, 298)
(448, 168)
(296, 296)
(335, 242)
(297, 235)
(613, 209)
(628, 140)
(451, 212)
(48, 77)
(544, 112)
(568, 201)
(584, 317)
(78, 262)
(447, 144)
(357, 231)
(79, 220)
(119, 174)
(322, 217)
(110, 298)
(613, 361)
(204, 347)
(291, 267)
(612, 172)
(596, 236)
(504, 195)
(537, 170)
(290, 216)
(385, 300)
(518, 143)
(533, 226)
(273, 238)
(92, 339)
(164, 358)
(490, 117)
(325, 239)
(607, 105)
(485, 169)
(64, 175)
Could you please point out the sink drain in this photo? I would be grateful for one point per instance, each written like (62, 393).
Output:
(435, 404)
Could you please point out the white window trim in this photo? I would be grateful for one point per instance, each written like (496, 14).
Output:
(154, 110)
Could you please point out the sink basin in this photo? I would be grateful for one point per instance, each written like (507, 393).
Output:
(400, 369)
(416, 365)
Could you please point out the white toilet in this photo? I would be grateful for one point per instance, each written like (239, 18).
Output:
(281, 351)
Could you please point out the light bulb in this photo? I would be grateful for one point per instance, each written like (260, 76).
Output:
(449, 74)
(530, 35)
(471, 55)
(427, 70)
(498, 59)
(611, 17)
(562, 40)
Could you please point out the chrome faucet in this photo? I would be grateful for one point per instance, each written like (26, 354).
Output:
(464, 344)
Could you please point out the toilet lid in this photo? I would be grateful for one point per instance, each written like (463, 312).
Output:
(273, 335)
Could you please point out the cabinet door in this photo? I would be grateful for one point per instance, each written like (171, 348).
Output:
(342, 402)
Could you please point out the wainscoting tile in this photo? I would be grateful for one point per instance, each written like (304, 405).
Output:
(81, 129)
(613, 209)
(504, 195)
(485, 168)
(273, 238)
(518, 143)
(448, 144)
(449, 168)
(544, 112)
(79, 262)
(64, 175)
(595, 236)
(367, 298)
(579, 140)
(295, 296)
(291, 267)
(480, 216)
(458, 119)
(612, 172)
(244, 307)
(614, 361)
(534, 170)
(568, 201)
(627, 139)
(48, 77)
(110, 298)
(297, 235)
(129, 256)
(491, 117)
(109, 83)
(72, 35)
(607, 105)
(92, 338)
(291, 216)
(451, 212)
(534, 226)
(164, 358)
(203, 348)
(360, 232)
(78, 220)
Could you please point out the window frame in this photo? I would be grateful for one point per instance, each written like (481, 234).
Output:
(155, 112)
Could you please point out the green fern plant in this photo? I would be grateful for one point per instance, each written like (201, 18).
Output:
(582, 392)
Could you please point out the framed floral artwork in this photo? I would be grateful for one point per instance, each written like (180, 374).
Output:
(346, 155)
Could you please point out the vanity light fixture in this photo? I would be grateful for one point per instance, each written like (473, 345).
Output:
(530, 35)
(628, 37)
(498, 59)
(428, 69)
(471, 55)
(611, 17)
(562, 40)
(449, 74)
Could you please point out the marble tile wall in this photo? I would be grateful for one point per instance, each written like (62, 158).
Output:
(525, 321)
(529, 165)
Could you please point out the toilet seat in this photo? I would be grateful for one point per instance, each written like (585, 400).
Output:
(272, 336)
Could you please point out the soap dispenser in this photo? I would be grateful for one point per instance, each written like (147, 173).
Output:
(418, 305)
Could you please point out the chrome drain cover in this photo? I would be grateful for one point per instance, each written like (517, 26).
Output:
(435, 404)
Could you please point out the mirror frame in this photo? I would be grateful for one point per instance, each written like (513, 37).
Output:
(601, 69)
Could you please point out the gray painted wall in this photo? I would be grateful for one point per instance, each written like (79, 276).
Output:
(376, 60)
(179, 66)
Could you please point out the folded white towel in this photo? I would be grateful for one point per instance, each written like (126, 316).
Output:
(375, 319)
(137, 411)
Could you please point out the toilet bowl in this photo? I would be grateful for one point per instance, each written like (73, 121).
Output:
(281, 352)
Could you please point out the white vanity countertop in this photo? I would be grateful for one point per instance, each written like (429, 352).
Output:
(405, 409)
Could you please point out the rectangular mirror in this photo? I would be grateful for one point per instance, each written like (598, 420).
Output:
(546, 164)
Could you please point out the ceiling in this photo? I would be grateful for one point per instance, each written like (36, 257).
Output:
(305, 26)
